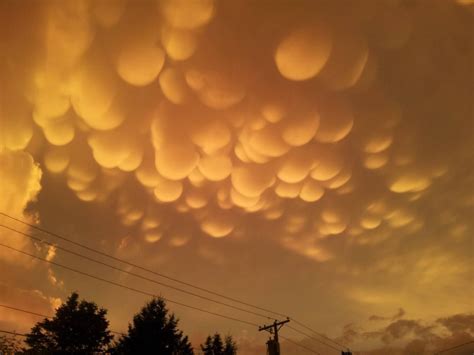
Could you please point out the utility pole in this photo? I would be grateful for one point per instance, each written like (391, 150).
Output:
(273, 347)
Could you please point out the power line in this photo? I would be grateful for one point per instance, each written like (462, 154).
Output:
(317, 333)
(171, 278)
(455, 347)
(134, 274)
(127, 287)
(45, 316)
(12, 333)
(273, 346)
(42, 315)
(24, 311)
(312, 337)
(283, 337)
(300, 345)
(138, 266)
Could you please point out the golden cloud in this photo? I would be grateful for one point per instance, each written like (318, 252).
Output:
(218, 122)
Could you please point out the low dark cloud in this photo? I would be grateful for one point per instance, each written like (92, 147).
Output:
(399, 314)
(458, 323)
(413, 336)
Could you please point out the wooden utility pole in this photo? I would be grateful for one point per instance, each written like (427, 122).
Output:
(273, 347)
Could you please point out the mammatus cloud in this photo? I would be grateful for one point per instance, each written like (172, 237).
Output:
(214, 120)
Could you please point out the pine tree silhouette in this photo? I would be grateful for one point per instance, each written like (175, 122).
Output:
(214, 345)
(154, 331)
(76, 328)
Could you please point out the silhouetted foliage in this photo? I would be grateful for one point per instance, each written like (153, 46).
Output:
(76, 328)
(154, 331)
(215, 346)
(9, 345)
(230, 347)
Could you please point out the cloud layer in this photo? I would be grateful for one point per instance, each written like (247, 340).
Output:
(330, 138)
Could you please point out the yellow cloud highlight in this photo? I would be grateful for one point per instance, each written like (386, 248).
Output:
(303, 52)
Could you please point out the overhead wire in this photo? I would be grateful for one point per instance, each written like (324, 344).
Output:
(45, 316)
(127, 287)
(41, 315)
(312, 337)
(56, 235)
(300, 345)
(454, 347)
(138, 266)
(317, 333)
(24, 311)
(12, 333)
(58, 247)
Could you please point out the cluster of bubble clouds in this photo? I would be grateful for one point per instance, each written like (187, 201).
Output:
(318, 118)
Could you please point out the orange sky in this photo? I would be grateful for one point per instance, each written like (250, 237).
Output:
(312, 157)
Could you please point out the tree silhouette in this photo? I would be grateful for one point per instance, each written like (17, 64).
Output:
(207, 347)
(154, 331)
(215, 346)
(9, 345)
(230, 347)
(76, 328)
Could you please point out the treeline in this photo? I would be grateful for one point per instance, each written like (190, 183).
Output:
(81, 327)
